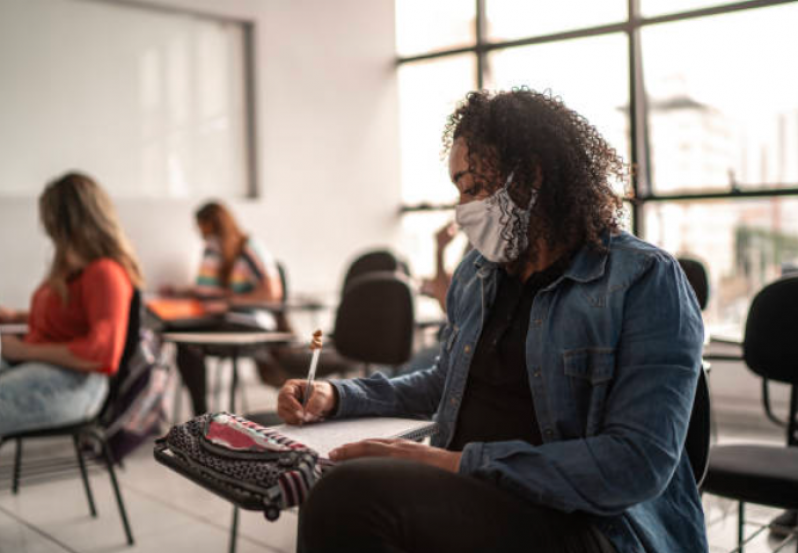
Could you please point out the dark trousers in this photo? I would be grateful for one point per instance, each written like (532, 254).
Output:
(393, 506)
(191, 364)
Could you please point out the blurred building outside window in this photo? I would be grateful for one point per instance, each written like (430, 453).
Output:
(722, 118)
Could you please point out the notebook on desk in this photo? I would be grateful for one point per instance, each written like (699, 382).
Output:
(325, 436)
(185, 314)
(191, 315)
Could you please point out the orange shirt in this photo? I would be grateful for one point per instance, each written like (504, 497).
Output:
(93, 322)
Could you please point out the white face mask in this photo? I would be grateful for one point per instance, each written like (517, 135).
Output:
(488, 224)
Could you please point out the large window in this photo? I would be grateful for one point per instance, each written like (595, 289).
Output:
(723, 113)
(697, 95)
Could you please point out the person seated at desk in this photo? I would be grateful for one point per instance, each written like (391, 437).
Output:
(235, 269)
(566, 378)
(436, 288)
(77, 325)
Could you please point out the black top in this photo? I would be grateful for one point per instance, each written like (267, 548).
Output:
(497, 403)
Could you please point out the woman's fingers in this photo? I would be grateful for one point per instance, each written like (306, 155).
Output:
(289, 407)
(320, 400)
(366, 448)
(290, 401)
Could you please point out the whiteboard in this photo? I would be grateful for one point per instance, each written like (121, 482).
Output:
(152, 103)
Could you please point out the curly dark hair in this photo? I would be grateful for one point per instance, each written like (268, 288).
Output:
(532, 135)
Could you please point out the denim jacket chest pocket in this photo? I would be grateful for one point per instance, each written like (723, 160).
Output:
(589, 373)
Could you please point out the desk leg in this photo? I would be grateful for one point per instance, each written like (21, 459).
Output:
(234, 383)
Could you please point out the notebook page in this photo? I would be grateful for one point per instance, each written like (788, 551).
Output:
(326, 436)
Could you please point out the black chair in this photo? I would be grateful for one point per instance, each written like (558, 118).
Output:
(697, 443)
(374, 261)
(283, 280)
(761, 474)
(91, 430)
(696, 274)
(373, 325)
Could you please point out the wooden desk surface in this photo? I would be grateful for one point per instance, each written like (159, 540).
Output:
(229, 338)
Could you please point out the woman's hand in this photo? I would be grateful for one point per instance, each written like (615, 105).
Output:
(322, 401)
(216, 307)
(12, 347)
(168, 291)
(445, 235)
(10, 315)
(400, 449)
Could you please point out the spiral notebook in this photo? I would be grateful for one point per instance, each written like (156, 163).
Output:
(326, 436)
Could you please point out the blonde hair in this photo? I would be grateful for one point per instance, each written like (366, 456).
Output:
(79, 217)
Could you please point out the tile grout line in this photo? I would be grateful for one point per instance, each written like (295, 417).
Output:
(211, 521)
(36, 530)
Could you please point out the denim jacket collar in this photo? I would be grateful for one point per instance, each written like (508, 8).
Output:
(587, 265)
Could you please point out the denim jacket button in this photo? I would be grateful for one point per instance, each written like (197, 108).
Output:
(549, 432)
(467, 348)
(538, 322)
(536, 374)
(453, 401)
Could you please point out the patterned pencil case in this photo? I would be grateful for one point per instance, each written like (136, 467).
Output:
(254, 467)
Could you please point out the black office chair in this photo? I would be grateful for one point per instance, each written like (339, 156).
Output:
(697, 443)
(374, 261)
(373, 325)
(90, 430)
(761, 474)
(696, 274)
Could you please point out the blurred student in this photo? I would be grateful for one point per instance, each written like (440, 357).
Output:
(437, 286)
(237, 270)
(57, 374)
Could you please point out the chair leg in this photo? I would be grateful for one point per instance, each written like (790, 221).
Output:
(84, 475)
(234, 383)
(178, 399)
(109, 462)
(740, 524)
(234, 531)
(217, 386)
(17, 467)
(244, 402)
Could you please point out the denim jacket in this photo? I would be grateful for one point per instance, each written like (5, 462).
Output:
(613, 352)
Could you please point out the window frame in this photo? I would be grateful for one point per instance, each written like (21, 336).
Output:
(642, 190)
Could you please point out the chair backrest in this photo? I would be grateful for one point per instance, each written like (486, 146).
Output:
(696, 446)
(374, 321)
(770, 346)
(132, 339)
(283, 280)
(373, 261)
(696, 274)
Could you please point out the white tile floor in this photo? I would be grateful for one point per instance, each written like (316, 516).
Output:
(170, 514)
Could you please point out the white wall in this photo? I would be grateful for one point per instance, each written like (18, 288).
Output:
(328, 153)
(168, 87)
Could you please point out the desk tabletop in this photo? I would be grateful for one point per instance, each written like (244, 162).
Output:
(229, 338)
(14, 328)
(290, 305)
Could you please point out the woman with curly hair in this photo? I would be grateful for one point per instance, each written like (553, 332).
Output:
(566, 376)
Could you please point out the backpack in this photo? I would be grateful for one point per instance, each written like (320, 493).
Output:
(254, 467)
(135, 408)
